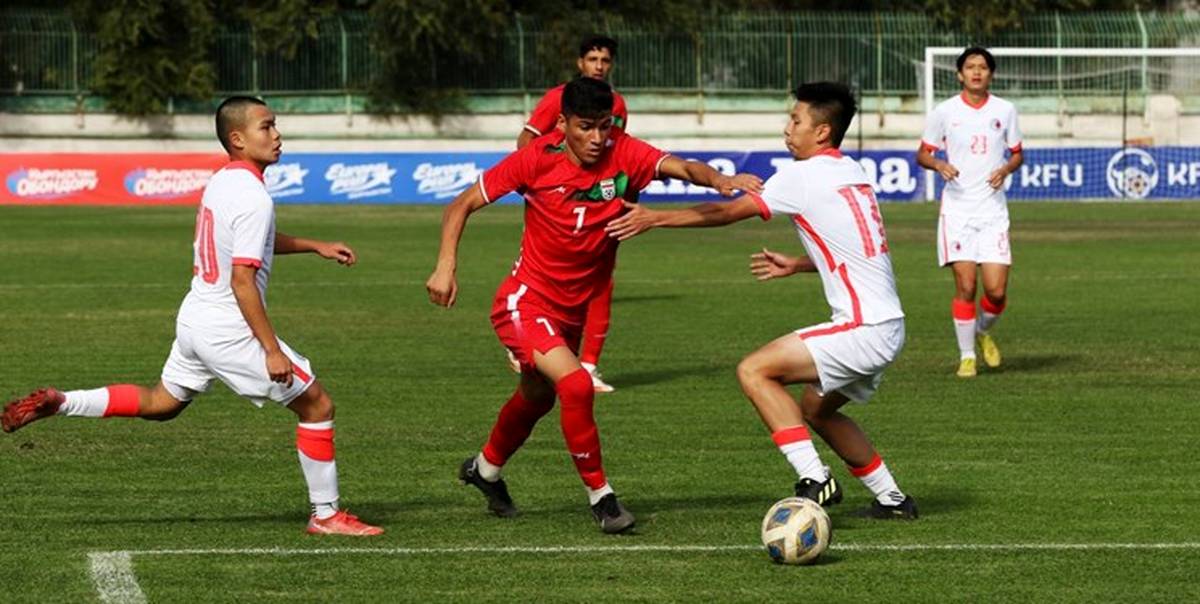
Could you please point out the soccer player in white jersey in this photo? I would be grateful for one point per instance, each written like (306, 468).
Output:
(222, 330)
(830, 200)
(982, 140)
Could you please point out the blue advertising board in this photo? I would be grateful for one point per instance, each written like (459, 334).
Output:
(1058, 173)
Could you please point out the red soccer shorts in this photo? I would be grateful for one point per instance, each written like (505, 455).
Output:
(526, 321)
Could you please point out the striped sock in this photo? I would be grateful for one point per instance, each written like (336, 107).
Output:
(990, 312)
(964, 326)
(314, 444)
(876, 477)
(118, 400)
(796, 445)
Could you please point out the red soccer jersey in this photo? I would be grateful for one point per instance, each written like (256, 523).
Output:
(545, 114)
(565, 253)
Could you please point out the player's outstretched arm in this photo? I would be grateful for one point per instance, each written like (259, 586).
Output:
(767, 265)
(442, 284)
(279, 367)
(640, 219)
(704, 175)
(926, 160)
(332, 250)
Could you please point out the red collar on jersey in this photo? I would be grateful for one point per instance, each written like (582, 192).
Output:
(244, 165)
(986, 97)
(833, 152)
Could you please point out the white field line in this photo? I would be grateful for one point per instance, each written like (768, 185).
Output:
(112, 573)
(116, 583)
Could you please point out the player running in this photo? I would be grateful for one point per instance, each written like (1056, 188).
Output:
(831, 201)
(596, 56)
(222, 330)
(976, 129)
(574, 182)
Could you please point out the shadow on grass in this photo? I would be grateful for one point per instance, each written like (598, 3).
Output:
(1033, 363)
(643, 378)
(645, 298)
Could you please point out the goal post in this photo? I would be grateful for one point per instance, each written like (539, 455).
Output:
(1107, 84)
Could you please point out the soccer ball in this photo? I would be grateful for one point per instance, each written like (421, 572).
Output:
(796, 531)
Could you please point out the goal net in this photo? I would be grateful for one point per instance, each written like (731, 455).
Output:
(1098, 123)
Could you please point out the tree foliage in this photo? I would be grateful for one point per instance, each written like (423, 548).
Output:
(151, 51)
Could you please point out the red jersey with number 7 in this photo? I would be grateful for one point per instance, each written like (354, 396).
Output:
(565, 253)
(830, 200)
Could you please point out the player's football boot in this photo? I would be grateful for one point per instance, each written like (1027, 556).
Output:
(35, 406)
(966, 368)
(825, 493)
(496, 492)
(991, 354)
(905, 510)
(612, 517)
(598, 383)
(341, 523)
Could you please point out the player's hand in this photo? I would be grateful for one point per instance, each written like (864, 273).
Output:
(338, 251)
(748, 183)
(767, 265)
(279, 367)
(636, 221)
(442, 287)
(947, 171)
(997, 179)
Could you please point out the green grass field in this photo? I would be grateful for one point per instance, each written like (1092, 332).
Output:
(1085, 438)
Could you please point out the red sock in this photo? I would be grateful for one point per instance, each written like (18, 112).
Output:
(595, 327)
(124, 400)
(517, 419)
(579, 426)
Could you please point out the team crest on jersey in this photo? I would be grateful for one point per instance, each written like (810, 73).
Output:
(996, 125)
(607, 189)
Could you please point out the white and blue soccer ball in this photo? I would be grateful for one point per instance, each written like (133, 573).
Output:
(796, 530)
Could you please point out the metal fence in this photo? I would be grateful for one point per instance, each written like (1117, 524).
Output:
(44, 53)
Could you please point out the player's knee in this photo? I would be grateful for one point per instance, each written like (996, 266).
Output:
(574, 387)
(750, 372)
(996, 296)
(314, 405)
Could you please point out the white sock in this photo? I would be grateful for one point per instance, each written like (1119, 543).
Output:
(880, 482)
(85, 403)
(486, 469)
(804, 459)
(320, 474)
(594, 496)
(965, 332)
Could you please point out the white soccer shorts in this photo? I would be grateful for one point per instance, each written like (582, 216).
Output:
(238, 360)
(978, 239)
(851, 360)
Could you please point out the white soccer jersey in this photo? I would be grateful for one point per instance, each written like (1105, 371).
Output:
(831, 201)
(975, 139)
(235, 224)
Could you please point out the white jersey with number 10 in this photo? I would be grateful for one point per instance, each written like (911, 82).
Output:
(235, 224)
(830, 199)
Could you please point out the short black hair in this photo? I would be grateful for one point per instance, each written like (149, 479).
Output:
(587, 97)
(829, 103)
(231, 115)
(976, 50)
(595, 42)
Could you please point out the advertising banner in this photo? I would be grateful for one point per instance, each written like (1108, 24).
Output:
(1130, 173)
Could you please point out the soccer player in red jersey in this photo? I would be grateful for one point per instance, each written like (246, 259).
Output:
(596, 57)
(222, 331)
(574, 182)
